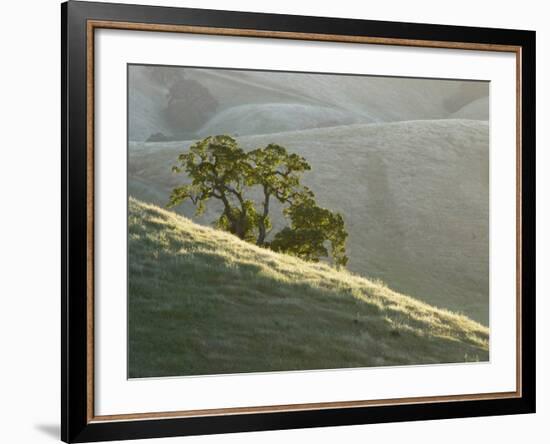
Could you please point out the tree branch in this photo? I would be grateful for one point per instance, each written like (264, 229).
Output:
(235, 192)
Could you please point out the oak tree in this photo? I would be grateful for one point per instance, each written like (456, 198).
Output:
(219, 169)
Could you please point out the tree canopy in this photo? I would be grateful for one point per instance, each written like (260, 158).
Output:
(220, 169)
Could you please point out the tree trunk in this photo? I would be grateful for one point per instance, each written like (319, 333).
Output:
(261, 225)
(238, 223)
(235, 223)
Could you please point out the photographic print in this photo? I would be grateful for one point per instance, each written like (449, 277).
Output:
(283, 221)
(277, 222)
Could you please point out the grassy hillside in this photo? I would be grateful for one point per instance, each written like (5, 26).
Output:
(277, 101)
(203, 302)
(414, 195)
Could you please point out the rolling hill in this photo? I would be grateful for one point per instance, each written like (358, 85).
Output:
(414, 195)
(261, 102)
(201, 301)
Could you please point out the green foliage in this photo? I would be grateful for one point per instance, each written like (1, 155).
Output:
(220, 169)
(310, 230)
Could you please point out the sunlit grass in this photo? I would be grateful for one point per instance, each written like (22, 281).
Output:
(202, 301)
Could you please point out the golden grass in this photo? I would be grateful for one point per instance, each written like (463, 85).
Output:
(201, 301)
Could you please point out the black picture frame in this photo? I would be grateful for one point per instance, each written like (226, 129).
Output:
(76, 423)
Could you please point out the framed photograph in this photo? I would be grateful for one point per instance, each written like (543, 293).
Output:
(275, 221)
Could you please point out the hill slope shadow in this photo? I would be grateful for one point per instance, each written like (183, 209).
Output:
(203, 302)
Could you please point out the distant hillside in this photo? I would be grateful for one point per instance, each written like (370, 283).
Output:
(201, 301)
(256, 102)
(478, 109)
(414, 195)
